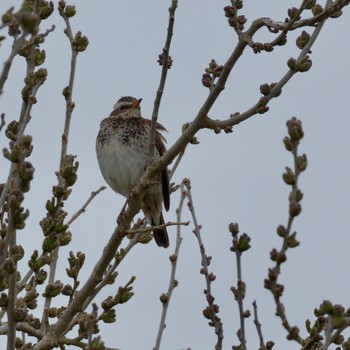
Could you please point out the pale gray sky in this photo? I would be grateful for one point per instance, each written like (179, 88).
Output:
(235, 177)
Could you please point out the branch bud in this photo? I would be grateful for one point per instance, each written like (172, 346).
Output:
(289, 177)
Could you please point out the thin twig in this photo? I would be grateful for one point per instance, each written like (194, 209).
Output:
(338, 331)
(240, 244)
(165, 298)
(16, 47)
(239, 117)
(237, 29)
(329, 9)
(211, 311)
(89, 289)
(9, 11)
(176, 164)
(258, 325)
(2, 121)
(111, 269)
(150, 228)
(51, 279)
(11, 238)
(64, 145)
(291, 178)
(203, 121)
(105, 280)
(11, 234)
(12, 179)
(69, 92)
(240, 297)
(83, 208)
(165, 68)
(25, 118)
(281, 311)
(328, 333)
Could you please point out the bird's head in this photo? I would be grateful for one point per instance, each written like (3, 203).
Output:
(128, 106)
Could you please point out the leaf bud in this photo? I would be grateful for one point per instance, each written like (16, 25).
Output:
(294, 209)
(289, 177)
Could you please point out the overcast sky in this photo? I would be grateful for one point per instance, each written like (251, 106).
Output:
(235, 177)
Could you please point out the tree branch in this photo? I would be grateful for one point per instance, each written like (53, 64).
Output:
(17, 45)
(25, 118)
(119, 257)
(83, 208)
(258, 326)
(2, 121)
(165, 298)
(165, 66)
(237, 118)
(150, 228)
(11, 305)
(289, 240)
(211, 311)
(77, 44)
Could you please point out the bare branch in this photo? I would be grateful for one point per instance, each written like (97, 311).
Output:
(83, 208)
(240, 244)
(165, 298)
(119, 257)
(258, 325)
(237, 28)
(2, 121)
(77, 44)
(164, 61)
(9, 11)
(17, 45)
(23, 327)
(212, 310)
(151, 228)
(24, 120)
(328, 333)
(237, 118)
(289, 240)
(68, 91)
(176, 164)
(12, 293)
(339, 330)
(83, 295)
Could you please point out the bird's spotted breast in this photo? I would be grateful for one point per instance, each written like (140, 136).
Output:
(127, 130)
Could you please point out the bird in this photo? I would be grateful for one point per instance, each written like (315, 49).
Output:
(122, 145)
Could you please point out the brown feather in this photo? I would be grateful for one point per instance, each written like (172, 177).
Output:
(161, 235)
(160, 146)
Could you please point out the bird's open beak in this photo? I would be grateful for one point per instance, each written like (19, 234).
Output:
(137, 103)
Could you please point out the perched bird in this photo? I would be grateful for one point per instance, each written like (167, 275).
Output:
(122, 153)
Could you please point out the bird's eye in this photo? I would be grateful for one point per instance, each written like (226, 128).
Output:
(123, 108)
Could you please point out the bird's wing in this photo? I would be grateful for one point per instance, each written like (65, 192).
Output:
(160, 146)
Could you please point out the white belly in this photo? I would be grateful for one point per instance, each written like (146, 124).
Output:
(121, 166)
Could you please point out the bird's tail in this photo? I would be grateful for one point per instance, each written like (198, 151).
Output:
(161, 235)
